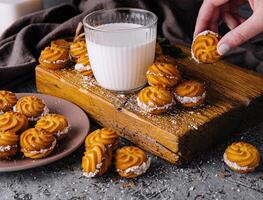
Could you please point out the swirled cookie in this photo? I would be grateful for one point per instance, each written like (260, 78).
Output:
(32, 107)
(242, 157)
(83, 66)
(54, 57)
(8, 144)
(96, 160)
(165, 59)
(158, 49)
(13, 121)
(131, 162)
(55, 124)
(204, 47)
(37, 143)
(7, 101)
(105, 136)
(78, 49)
(155, 100)
(60, 43)
(190, 93)
(163, 75)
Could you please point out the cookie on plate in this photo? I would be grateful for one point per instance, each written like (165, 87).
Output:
(190, 93)
(242, 157)
(163, 75)
(37, 143)
(7, 101)
(32, 107)
(96, 160)
(155, 100)
(131, 162)
(55, 124)
(204, 47)
(13, 121)
(8, 144)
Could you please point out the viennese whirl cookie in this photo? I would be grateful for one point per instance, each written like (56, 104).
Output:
(163, 75)
(54, 58)
(32, 107)
(190, 93)
(37, 143)
(55, 124)
(131, 161)
(8, 144)
(7, 101)
(204, 47)
(105, 136)
(242, 157)
(13, 121)
(155, 100)
(96, 160)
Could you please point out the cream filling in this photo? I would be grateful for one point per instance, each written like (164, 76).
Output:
(42, 151)
(190, 99)
(162, 75)
(204, 33)
(62, 132)
(151, 107)
(235, 165)
(7, 148)
(138, 170)
(80, 67)
(55, 61)
(1, 112)
(93, 174)
(45, 112)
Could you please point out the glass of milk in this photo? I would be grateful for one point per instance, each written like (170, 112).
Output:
(121, 46)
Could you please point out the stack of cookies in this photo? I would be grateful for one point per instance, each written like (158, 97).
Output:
(100, 147)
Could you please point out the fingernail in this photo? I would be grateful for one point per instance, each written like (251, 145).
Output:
(223, 49)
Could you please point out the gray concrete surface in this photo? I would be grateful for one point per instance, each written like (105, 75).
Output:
(206, 177)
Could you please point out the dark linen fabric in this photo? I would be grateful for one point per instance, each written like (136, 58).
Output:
(21, 43)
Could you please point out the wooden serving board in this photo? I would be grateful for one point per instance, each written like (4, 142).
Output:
(235, 100)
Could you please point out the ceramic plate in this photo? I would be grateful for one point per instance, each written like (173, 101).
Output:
(79, 124)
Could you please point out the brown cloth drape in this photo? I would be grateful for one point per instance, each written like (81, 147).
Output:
(21, 43)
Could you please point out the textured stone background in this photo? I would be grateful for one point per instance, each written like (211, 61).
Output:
(206, 177)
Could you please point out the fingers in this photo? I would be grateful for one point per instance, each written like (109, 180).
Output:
(242, 33)
(230, 20)
(208, 15)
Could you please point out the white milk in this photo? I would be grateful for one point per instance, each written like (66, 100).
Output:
(120, 58)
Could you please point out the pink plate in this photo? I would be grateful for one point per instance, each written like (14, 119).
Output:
(79, 123)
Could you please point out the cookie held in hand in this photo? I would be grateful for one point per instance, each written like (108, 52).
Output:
(155, 100)
(131, 162)
(37, 143)
(163, 75)
(8, 144)
(190, 93)
(242, 157)
(204, 47)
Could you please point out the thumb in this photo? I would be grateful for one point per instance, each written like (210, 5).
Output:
(242, 33)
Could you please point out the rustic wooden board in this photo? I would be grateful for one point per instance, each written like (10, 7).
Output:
(235, 99)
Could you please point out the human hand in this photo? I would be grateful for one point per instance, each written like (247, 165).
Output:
(241, 30)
